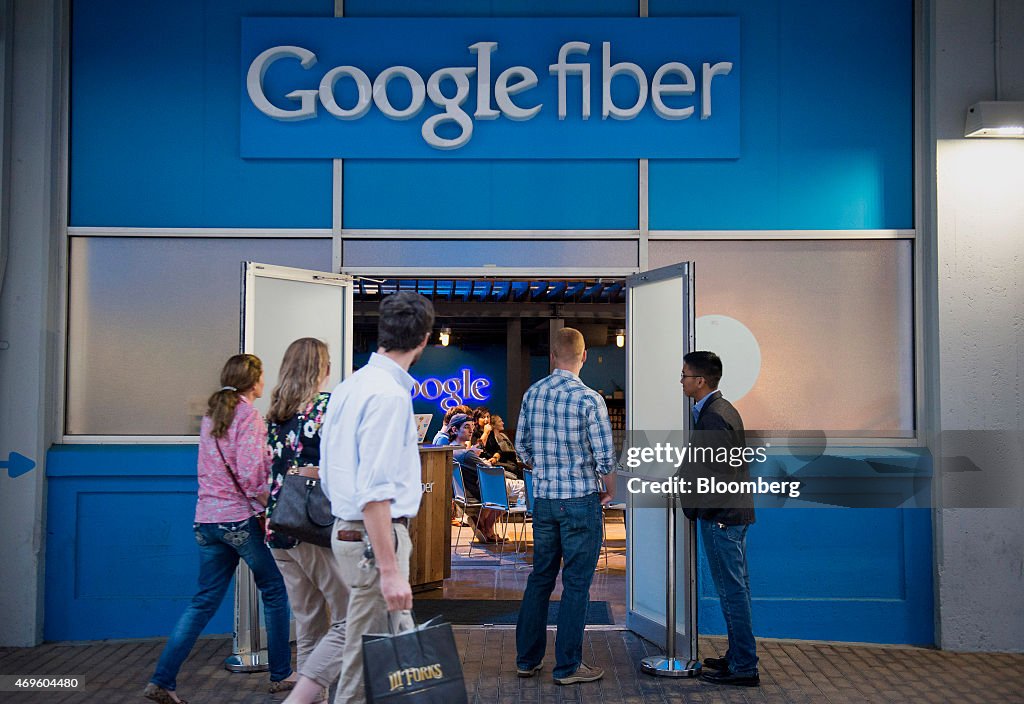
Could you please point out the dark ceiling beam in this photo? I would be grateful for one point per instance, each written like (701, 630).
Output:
(455, 309)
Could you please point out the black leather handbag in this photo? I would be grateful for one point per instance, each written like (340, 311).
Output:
(303, 511)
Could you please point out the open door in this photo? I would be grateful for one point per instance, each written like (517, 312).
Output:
(280, 305)
(660, 325)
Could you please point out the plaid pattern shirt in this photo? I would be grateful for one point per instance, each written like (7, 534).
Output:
(564, 432)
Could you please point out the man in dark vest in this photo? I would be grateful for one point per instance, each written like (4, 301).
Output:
(723, 521)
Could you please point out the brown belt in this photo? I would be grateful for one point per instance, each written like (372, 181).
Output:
(356, 536)
(307, 471)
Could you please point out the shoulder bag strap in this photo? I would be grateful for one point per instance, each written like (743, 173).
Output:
(231, 473)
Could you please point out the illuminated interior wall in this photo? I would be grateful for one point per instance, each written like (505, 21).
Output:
(447, 365)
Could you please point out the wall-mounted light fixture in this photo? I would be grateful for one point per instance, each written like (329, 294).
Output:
(446, 336)
(996, 118)
(620, 338)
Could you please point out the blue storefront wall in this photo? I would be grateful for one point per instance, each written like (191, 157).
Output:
(820, 570)
(121, 558)
(826, 143)
(826, 130)
(859, 575)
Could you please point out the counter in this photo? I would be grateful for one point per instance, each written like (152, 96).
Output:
(431, 529)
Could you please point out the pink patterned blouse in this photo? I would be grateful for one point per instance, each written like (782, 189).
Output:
(245, 448)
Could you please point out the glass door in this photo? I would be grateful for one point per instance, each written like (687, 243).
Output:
(660, 326)
(279, 305)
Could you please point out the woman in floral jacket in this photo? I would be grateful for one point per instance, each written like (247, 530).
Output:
(317, 594)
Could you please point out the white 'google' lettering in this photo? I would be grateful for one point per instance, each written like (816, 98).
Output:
(670, 79)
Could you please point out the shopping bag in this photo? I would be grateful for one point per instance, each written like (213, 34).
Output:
(420, 666)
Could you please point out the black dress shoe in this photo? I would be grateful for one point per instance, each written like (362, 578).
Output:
(726, 677)
(717, 663)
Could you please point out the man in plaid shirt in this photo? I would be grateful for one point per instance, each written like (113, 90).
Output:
(564, 432)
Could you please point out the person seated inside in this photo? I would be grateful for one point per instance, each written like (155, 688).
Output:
(483, 429)
(460, 434)
(500, 448)
(441, 437)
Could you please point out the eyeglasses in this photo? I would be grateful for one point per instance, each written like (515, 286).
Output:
(690, 376)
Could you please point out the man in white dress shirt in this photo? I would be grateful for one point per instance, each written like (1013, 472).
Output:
(370, 466)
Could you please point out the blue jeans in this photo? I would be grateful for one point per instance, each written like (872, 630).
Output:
(220, 546)
(566, 534)
(726, 549)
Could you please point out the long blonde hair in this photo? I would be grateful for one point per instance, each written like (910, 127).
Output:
(305, 363)
(240, 373)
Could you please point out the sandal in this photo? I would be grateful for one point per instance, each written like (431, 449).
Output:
(281, 686)
(160, 695)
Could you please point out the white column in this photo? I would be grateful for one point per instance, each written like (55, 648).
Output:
(30, 302)
(980, 321)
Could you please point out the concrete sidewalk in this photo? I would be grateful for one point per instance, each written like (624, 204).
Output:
(791, 671)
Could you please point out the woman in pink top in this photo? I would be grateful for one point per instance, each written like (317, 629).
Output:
(234, 464)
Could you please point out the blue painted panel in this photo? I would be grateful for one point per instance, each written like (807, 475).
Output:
(495, 195)
(154, 129)
(464, 195)
(826, 128)
(124, 568)
(861, 575)
(121, 559)
(605, 368)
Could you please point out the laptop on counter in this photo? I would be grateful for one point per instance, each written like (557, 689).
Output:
(422, 425)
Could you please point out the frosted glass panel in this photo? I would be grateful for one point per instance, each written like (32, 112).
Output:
(151, 322)
(284, 311)
(813, 335)
(465, 252)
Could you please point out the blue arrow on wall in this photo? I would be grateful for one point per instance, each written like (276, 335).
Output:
(17, 465)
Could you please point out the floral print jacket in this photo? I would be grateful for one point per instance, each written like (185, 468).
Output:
(294, 443)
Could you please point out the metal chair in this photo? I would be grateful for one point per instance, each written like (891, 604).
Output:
(520, 545)
(493, 496)
(465, 504)
(528, 481)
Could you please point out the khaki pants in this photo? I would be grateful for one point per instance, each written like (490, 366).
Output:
(319, 601)
(367, 610)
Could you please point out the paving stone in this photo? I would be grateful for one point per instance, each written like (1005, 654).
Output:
(791, 673)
